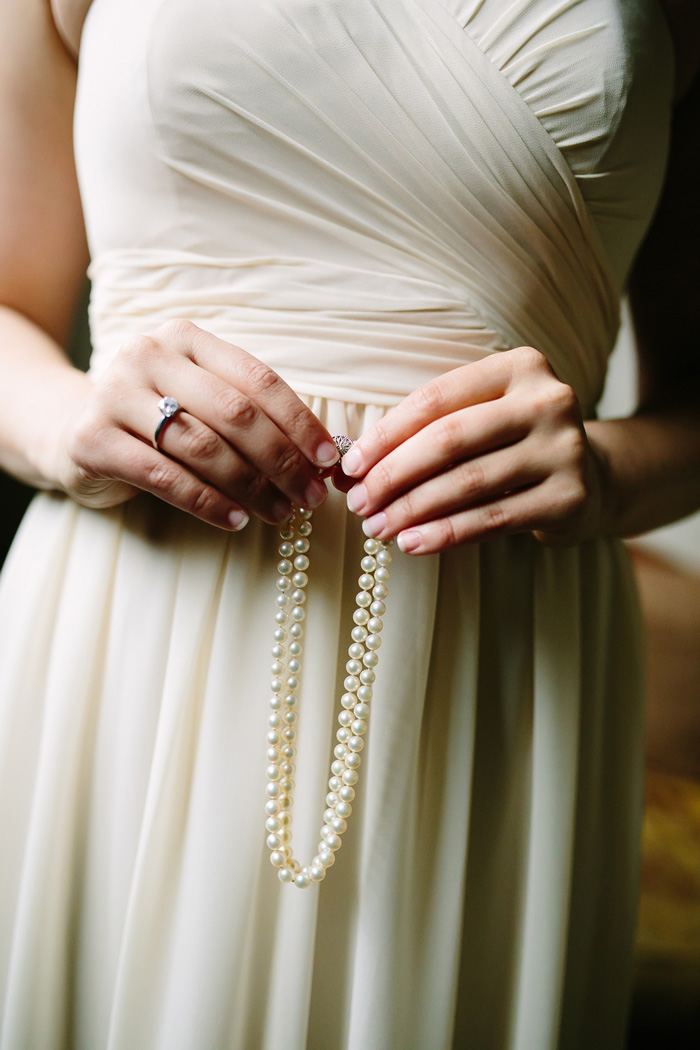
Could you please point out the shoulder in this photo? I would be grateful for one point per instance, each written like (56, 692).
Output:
(69, 17)
(683, 17)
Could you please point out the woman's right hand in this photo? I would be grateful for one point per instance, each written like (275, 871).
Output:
(243, 443)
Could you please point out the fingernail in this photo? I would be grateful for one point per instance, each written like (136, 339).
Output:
(375, 525)
(357, 498)
(409, 541)
(352, 462)
(238, 519)
(281, 510)
(315, 494)
(326, 454)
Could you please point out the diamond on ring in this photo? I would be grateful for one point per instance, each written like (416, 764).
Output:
(168, 407)
(343, 443)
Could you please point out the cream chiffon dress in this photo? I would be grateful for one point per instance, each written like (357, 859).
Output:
(364, 194)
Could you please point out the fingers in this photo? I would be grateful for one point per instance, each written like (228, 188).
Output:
(259, 383)
(137, 464)
(472, 384)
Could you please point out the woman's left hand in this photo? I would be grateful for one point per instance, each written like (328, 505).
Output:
(493, 447)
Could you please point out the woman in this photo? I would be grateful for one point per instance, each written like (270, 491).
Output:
(306, 220)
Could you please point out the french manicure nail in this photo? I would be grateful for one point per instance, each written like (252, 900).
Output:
(326, 454)
(315, 494)
(408, 541)
(352, 461)
(375, 525)
(357, 498)
(238, 519)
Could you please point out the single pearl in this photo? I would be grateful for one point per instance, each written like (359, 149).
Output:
(284, 801)
(287, 784)
(359, 634)
(361, 710)
(301, 562)
(272, 773)
(283, 583)
(370, 659)
(283, 601)
(350, 776)
(298, 597)
(287, 768)
(273, 790)
(298, 613)
(340, 751)
(351, 683)
(290, 700)
(305, 529)
(277, 668)
(289, 734)
(331, 800)
(317, 872)
(328, 815)
(286, 533)
(366, 582)
(285, 875)
(379, 592)
(335, 783)
(275, 703)
(334, 841)
(342, 735)
(274, 842)
(371, 546)
(302, 880)
(305, 514)
(375, 625)
(355, 743)
(348, 701)
(346, 793)
(338, 824)
(273, 738)
(286, 819)
(277, 859)
(274, 721)
(286, 550)
(296, 630)
(294, 667)
(327, 859)
(353, 667)
(300, 579)
(363, 599)
(373, 641)
(280, 634)
(377, 608)
(384, 557)
(359, 728)
(343, 809)
(356, 651)
(292, 683)
(325, 832)
(295, 649)
(360, 616)
(272, 807)
(281, 618)
(382, 575)
(284, 567)
(365, 694)
(301, 545)
(367, 677)
(345, 718)
(337, 768)
(277, 651)
(289, 752)
(368, 564)
(352, 761)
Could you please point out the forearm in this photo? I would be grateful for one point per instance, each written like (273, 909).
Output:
(40, 390)
(650, 463)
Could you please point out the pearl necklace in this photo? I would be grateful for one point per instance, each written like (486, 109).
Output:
(355, 701)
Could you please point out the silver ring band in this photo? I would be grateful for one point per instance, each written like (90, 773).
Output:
(168, 408)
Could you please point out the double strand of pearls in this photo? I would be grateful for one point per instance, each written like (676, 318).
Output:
(355, 701)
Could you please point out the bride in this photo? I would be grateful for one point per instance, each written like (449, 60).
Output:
(408, 222)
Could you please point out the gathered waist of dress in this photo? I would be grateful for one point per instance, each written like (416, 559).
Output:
(330, 331)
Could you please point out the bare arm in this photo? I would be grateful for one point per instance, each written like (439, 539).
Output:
(43, 253)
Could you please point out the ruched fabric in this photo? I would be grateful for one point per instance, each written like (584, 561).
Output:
(355, 192)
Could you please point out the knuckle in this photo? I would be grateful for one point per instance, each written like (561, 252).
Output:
(138, 347)
(176, 330)
(429, 398)
(287, 460)
(471, 479)
(447, 436)
(162, 477)
(234, 408)
(447, 533)
(531, 360)
(494, 518)
(262, 379)
(202, 502)
(200, 443)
